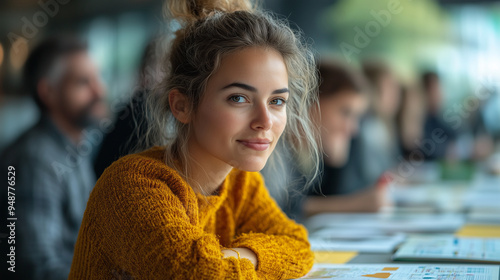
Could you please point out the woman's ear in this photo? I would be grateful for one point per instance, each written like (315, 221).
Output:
(179, 106)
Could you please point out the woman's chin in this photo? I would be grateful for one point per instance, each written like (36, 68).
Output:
(250, 166)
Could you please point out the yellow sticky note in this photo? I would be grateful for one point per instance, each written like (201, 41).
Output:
(381, 275)
(492, 231)
(337, 257)
(390, 268)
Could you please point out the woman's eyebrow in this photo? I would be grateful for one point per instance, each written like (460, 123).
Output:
(281, 90)
(241, 85)
(253, 89)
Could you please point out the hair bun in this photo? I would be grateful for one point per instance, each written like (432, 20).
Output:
(188, 11)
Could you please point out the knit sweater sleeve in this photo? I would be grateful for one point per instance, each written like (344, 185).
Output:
(280, 244)
(147, 232)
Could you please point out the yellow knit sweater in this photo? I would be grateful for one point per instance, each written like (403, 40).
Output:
(143, 220)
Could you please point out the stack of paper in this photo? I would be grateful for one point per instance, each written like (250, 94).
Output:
(388, 222)
(366, 241)
(484, 193)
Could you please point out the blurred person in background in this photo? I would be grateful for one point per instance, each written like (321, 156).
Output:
(484, 145)
(52, 160)
(410, 119)
(434, 122)
(343, 96)
(379, 139)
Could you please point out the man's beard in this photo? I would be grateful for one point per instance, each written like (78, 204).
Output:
(84, 118)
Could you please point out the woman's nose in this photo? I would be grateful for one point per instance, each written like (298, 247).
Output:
(262, 118)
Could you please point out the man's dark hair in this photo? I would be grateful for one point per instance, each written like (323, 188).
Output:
(427, 78)
(374, 70)
(336, 77)
(43, 59)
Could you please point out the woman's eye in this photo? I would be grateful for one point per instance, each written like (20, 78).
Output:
(237, 99)
(278, 101)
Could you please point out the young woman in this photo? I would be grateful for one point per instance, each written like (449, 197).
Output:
(194, 206)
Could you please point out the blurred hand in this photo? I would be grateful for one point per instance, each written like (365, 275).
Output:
(374, 198)
(371, 199)
(381, 189)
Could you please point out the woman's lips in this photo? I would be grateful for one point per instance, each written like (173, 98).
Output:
(256, 144)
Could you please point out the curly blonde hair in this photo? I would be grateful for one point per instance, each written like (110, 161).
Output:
(210, 30)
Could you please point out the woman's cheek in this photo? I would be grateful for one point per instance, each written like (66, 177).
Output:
(227, 120)
(279, 123)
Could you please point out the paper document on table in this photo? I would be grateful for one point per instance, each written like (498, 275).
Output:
(441, 195)
(366, 241)
(403, 272)
(388, 222)
(449, 248)
(484, 193)
(482, 199)
(486, 182)
(486, 216)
